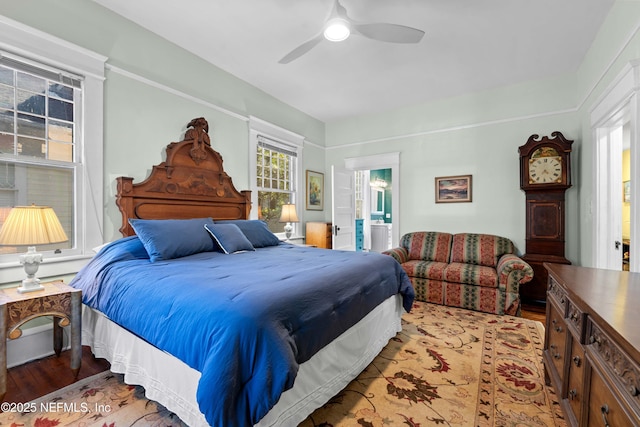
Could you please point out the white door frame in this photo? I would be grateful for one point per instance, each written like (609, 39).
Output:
(384, 161)
(617, 104)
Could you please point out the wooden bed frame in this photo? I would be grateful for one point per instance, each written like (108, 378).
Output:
(190, 183)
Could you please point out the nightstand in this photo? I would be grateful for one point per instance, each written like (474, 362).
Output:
(62, 302)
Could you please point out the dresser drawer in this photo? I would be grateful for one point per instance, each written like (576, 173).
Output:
(557, 294)
(576, 320)
(604, 409)
(621, 368)
(556, 343)
(575, 381)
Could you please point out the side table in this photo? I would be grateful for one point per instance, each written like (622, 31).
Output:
(62, 302)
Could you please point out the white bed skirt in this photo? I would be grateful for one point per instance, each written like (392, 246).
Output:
(172, 383)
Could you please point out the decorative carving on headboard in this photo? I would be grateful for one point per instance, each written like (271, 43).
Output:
(190, 183)
(199, 134)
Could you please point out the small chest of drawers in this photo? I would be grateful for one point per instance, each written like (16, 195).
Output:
(318, 234)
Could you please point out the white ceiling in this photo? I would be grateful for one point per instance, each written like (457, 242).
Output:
(469, 46)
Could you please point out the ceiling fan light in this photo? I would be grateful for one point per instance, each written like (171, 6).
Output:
(337, 30)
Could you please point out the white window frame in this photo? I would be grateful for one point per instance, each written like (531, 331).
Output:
(259, 127)
(45, 49)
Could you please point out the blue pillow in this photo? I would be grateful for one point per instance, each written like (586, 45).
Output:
(255, 231)
(173, 238)
(229, 238)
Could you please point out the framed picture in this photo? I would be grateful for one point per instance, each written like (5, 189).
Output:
(453, 189)
(626, 193)
(315, 191)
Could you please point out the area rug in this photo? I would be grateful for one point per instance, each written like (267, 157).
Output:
(447, 367)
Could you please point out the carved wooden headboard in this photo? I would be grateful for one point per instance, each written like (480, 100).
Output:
(190, 183)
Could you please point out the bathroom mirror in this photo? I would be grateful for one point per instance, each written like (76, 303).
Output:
(377, 201)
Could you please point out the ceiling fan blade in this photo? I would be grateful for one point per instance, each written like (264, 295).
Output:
(339, 10)
(301, 50)
(393, 33)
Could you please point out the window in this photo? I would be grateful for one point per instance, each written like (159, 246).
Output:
(39, 110)
(275, 173)
(51, 133)
(276, 167)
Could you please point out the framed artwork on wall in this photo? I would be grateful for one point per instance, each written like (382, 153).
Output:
(626, 191)
(315, 191)
(453, 189)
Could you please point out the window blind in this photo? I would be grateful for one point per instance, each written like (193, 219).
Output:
(52, 74)
(273, 145)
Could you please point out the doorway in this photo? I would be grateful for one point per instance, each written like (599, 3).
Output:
(389, 163)
(614, 127)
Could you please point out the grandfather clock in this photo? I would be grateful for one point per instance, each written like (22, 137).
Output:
(545, 176)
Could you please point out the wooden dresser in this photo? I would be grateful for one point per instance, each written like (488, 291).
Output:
(592, 344)
(318, 234)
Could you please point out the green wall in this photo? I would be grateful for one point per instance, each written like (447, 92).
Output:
(477, 134)
(385, 175)
(154, 88)
(616, 45)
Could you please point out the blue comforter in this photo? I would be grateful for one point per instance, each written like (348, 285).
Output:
(246, 320)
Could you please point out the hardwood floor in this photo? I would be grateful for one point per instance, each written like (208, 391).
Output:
(32, 380)
(534, 312)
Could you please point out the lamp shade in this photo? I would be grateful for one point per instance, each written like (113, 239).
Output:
(32, 225)
(289, 214)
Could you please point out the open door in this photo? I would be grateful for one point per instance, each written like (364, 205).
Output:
(609, 206)
(343, 212)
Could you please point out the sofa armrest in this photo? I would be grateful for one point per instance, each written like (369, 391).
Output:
(400, 254)
(513, 271)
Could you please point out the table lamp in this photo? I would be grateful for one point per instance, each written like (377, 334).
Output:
(288, 215)
(30, 226)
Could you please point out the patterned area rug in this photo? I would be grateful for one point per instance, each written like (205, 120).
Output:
(448, 367)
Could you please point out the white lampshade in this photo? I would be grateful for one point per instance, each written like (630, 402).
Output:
(32, 225)
(289, 214)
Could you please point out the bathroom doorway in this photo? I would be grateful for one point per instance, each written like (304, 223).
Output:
(385, 199)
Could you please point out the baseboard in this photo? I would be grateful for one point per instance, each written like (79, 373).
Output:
(35, 343)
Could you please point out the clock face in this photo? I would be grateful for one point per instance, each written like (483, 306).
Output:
(545, 170)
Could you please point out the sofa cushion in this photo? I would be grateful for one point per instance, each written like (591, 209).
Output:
(479, 249)
(427, 245)
(470, 274)
(425, 269)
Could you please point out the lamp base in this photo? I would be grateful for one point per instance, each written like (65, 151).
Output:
(288, 230)
(30, 285)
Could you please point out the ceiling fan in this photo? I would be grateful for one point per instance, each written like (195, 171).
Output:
(339, 26)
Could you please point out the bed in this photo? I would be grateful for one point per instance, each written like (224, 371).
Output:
(216, 318)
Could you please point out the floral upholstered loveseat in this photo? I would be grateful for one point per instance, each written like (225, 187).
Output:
(475, 271)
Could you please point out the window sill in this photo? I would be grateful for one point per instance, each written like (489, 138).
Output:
(13, 272)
